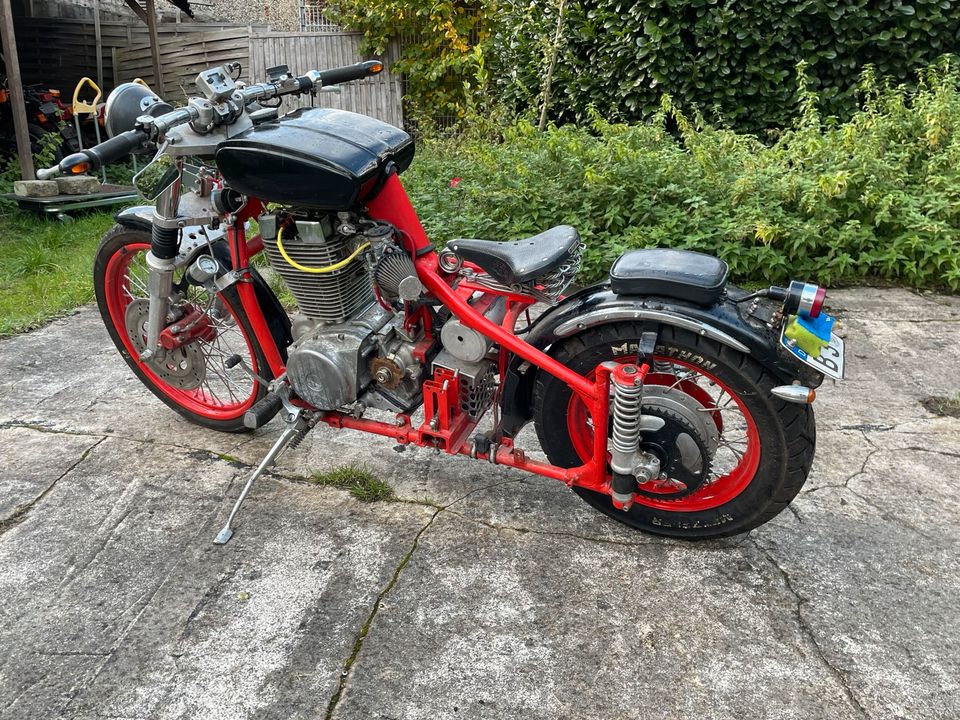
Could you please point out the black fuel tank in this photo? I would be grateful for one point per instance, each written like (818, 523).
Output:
(317, 158)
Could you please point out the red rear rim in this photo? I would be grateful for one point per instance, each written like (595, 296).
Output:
(221, 395)
(737, 455)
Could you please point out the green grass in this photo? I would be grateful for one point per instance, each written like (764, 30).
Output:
(355, 478)
(943, 406)
(46, 267)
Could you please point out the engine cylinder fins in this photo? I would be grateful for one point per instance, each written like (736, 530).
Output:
(396, 276)
(331, 297)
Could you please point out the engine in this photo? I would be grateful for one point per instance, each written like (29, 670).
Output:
(348, 276)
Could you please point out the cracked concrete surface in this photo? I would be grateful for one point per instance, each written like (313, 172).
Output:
(483, 592)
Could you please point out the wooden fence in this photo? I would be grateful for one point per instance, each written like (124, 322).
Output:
(60, 51)
(379, 96)
(182, 57)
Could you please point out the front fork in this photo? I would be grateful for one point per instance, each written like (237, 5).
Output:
(159, 287)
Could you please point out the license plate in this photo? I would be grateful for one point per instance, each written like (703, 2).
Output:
(830, 361)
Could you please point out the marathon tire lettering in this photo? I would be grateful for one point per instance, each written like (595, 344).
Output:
(632, 348)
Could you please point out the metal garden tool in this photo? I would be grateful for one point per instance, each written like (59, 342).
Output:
(81, 107)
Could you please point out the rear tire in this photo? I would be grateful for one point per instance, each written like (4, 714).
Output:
(117, 285)
(750, 494)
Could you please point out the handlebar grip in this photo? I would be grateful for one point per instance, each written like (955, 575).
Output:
(109, 151)
(348, 73)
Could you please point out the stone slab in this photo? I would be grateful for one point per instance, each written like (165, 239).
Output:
(35, 188)
(518, 601)
(78, 185)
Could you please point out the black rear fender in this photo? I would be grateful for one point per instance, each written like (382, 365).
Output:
(743, 327)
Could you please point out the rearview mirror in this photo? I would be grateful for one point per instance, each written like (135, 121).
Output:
(156, 177)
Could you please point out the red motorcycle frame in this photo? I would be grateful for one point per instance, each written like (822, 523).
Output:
(445, 427)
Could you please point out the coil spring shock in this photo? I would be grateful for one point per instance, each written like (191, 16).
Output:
(627, 396)
(627, 381)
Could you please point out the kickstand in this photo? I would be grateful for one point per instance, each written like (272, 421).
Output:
(297, 428)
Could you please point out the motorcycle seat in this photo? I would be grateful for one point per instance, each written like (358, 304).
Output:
(682, 274)
(521, 261)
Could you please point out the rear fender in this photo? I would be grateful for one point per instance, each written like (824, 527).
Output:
(193, 242)
(725, 322)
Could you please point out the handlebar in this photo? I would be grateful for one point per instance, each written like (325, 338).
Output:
(109, 151)
(350, 73)
(118, 147)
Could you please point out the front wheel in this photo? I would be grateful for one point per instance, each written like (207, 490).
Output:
(193, 379)
(731, 455)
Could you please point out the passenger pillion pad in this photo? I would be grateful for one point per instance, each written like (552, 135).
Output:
(524, 260)
(682, 274)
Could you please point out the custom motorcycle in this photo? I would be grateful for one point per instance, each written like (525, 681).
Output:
(664, 396)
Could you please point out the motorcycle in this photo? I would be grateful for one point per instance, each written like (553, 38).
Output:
(46, 115)
(665, 396)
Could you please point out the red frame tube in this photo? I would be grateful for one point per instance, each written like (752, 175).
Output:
(393, 205)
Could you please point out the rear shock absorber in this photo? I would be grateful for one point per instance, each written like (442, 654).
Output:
(627, 381)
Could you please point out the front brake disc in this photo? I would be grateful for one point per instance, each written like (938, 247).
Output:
(184, 368)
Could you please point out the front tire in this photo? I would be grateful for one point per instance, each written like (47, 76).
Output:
(193, 380)
(747, 479)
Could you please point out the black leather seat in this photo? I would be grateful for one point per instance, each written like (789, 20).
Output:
(681, 274)
(522, 260)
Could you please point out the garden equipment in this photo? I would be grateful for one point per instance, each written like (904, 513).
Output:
(92, 108)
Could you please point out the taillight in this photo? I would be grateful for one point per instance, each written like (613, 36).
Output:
(804, 299)
(817, 305)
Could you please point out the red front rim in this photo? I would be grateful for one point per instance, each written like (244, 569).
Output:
(742, 454)
(221, 396)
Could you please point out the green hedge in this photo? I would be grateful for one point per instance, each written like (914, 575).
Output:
(733, 59)
(875, 197)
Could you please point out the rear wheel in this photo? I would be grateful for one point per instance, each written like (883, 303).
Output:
(732, 455)
(192, 379)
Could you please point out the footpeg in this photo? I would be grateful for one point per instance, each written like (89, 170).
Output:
(263, 411)
(234, 360)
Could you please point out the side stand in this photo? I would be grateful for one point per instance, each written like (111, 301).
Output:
(297, 427)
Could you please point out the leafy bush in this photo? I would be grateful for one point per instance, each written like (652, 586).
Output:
(734, 60)
(441, 54)
(875, 197)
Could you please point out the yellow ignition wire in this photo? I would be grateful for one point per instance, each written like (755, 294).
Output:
(330, 268)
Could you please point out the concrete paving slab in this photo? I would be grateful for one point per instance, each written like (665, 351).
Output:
(68, 376)
(878, 595)
(118, 576)
(505, 602)
(34, 463)
(490, 623)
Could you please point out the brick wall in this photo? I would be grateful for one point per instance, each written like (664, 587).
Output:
(281, 15)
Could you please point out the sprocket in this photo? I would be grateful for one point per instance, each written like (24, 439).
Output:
(684, 456)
